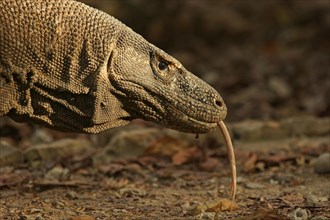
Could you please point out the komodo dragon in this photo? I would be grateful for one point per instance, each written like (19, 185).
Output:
(70, 67)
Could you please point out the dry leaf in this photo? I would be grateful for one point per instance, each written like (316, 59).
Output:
(166, 146)
(186, 155)
(209, 164)
(220, 206)
(294, 198)
(250, 163)
(223, 205)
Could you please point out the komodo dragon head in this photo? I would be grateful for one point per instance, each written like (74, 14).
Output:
(154, 86)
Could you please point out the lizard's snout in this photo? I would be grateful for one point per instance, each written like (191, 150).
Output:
(203, 108)
(220, 109)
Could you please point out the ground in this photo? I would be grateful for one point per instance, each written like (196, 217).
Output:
(270, 62)
(168, 175)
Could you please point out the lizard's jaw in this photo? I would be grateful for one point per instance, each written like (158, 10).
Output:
(185, 121)
(205, 125)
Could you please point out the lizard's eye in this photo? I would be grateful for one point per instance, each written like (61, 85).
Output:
(162, 65)
(163, 69)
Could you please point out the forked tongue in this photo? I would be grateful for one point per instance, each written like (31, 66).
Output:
(231, 157)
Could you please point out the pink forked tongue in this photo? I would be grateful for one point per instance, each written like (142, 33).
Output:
(231, 156)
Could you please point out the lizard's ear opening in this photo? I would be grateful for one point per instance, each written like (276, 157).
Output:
(163, 69)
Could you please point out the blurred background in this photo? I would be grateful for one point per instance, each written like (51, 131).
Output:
(268, 59)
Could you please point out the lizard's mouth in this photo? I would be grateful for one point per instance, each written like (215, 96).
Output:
(185, 122)
(210, 124)
(206, 126)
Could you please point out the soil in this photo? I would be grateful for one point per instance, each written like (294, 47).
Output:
(270, 62)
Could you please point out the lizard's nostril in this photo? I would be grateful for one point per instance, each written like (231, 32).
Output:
(218, 102)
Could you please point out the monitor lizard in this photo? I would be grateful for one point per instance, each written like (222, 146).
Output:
(70, 67)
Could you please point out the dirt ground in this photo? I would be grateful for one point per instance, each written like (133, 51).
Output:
(270, 62)
(166, 174)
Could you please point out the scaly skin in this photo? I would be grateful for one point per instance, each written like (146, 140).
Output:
(70, 67)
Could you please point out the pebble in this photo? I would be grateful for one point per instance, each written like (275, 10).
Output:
(311, 198)
(58, 204)
(254, 186)
(299, 214)
(38, 217)
(72, 194)
(40, 154)
(127, 144)
(280, 87)
(322, 164)
(9, 155)
(207, 215)
(189, 208)
(41, 136)
(129, 192)
(58, 172)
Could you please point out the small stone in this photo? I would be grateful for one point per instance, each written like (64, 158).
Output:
(261, 166)
(189, 208)
(38, 217)
(251, 130)
(58, 172)
(306, 125)
(279, 87)
(130, 192)
(312, 199)
(206, 215)
(41, 154)
(254, 186)
(41, 136)
(299, 214)
(9, 155)
(35, 210)
(127, 144)
(315, 200)
(58, 204)
(72, 194)
(322, 164)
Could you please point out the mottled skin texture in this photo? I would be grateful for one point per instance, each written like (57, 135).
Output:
(70, 67)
